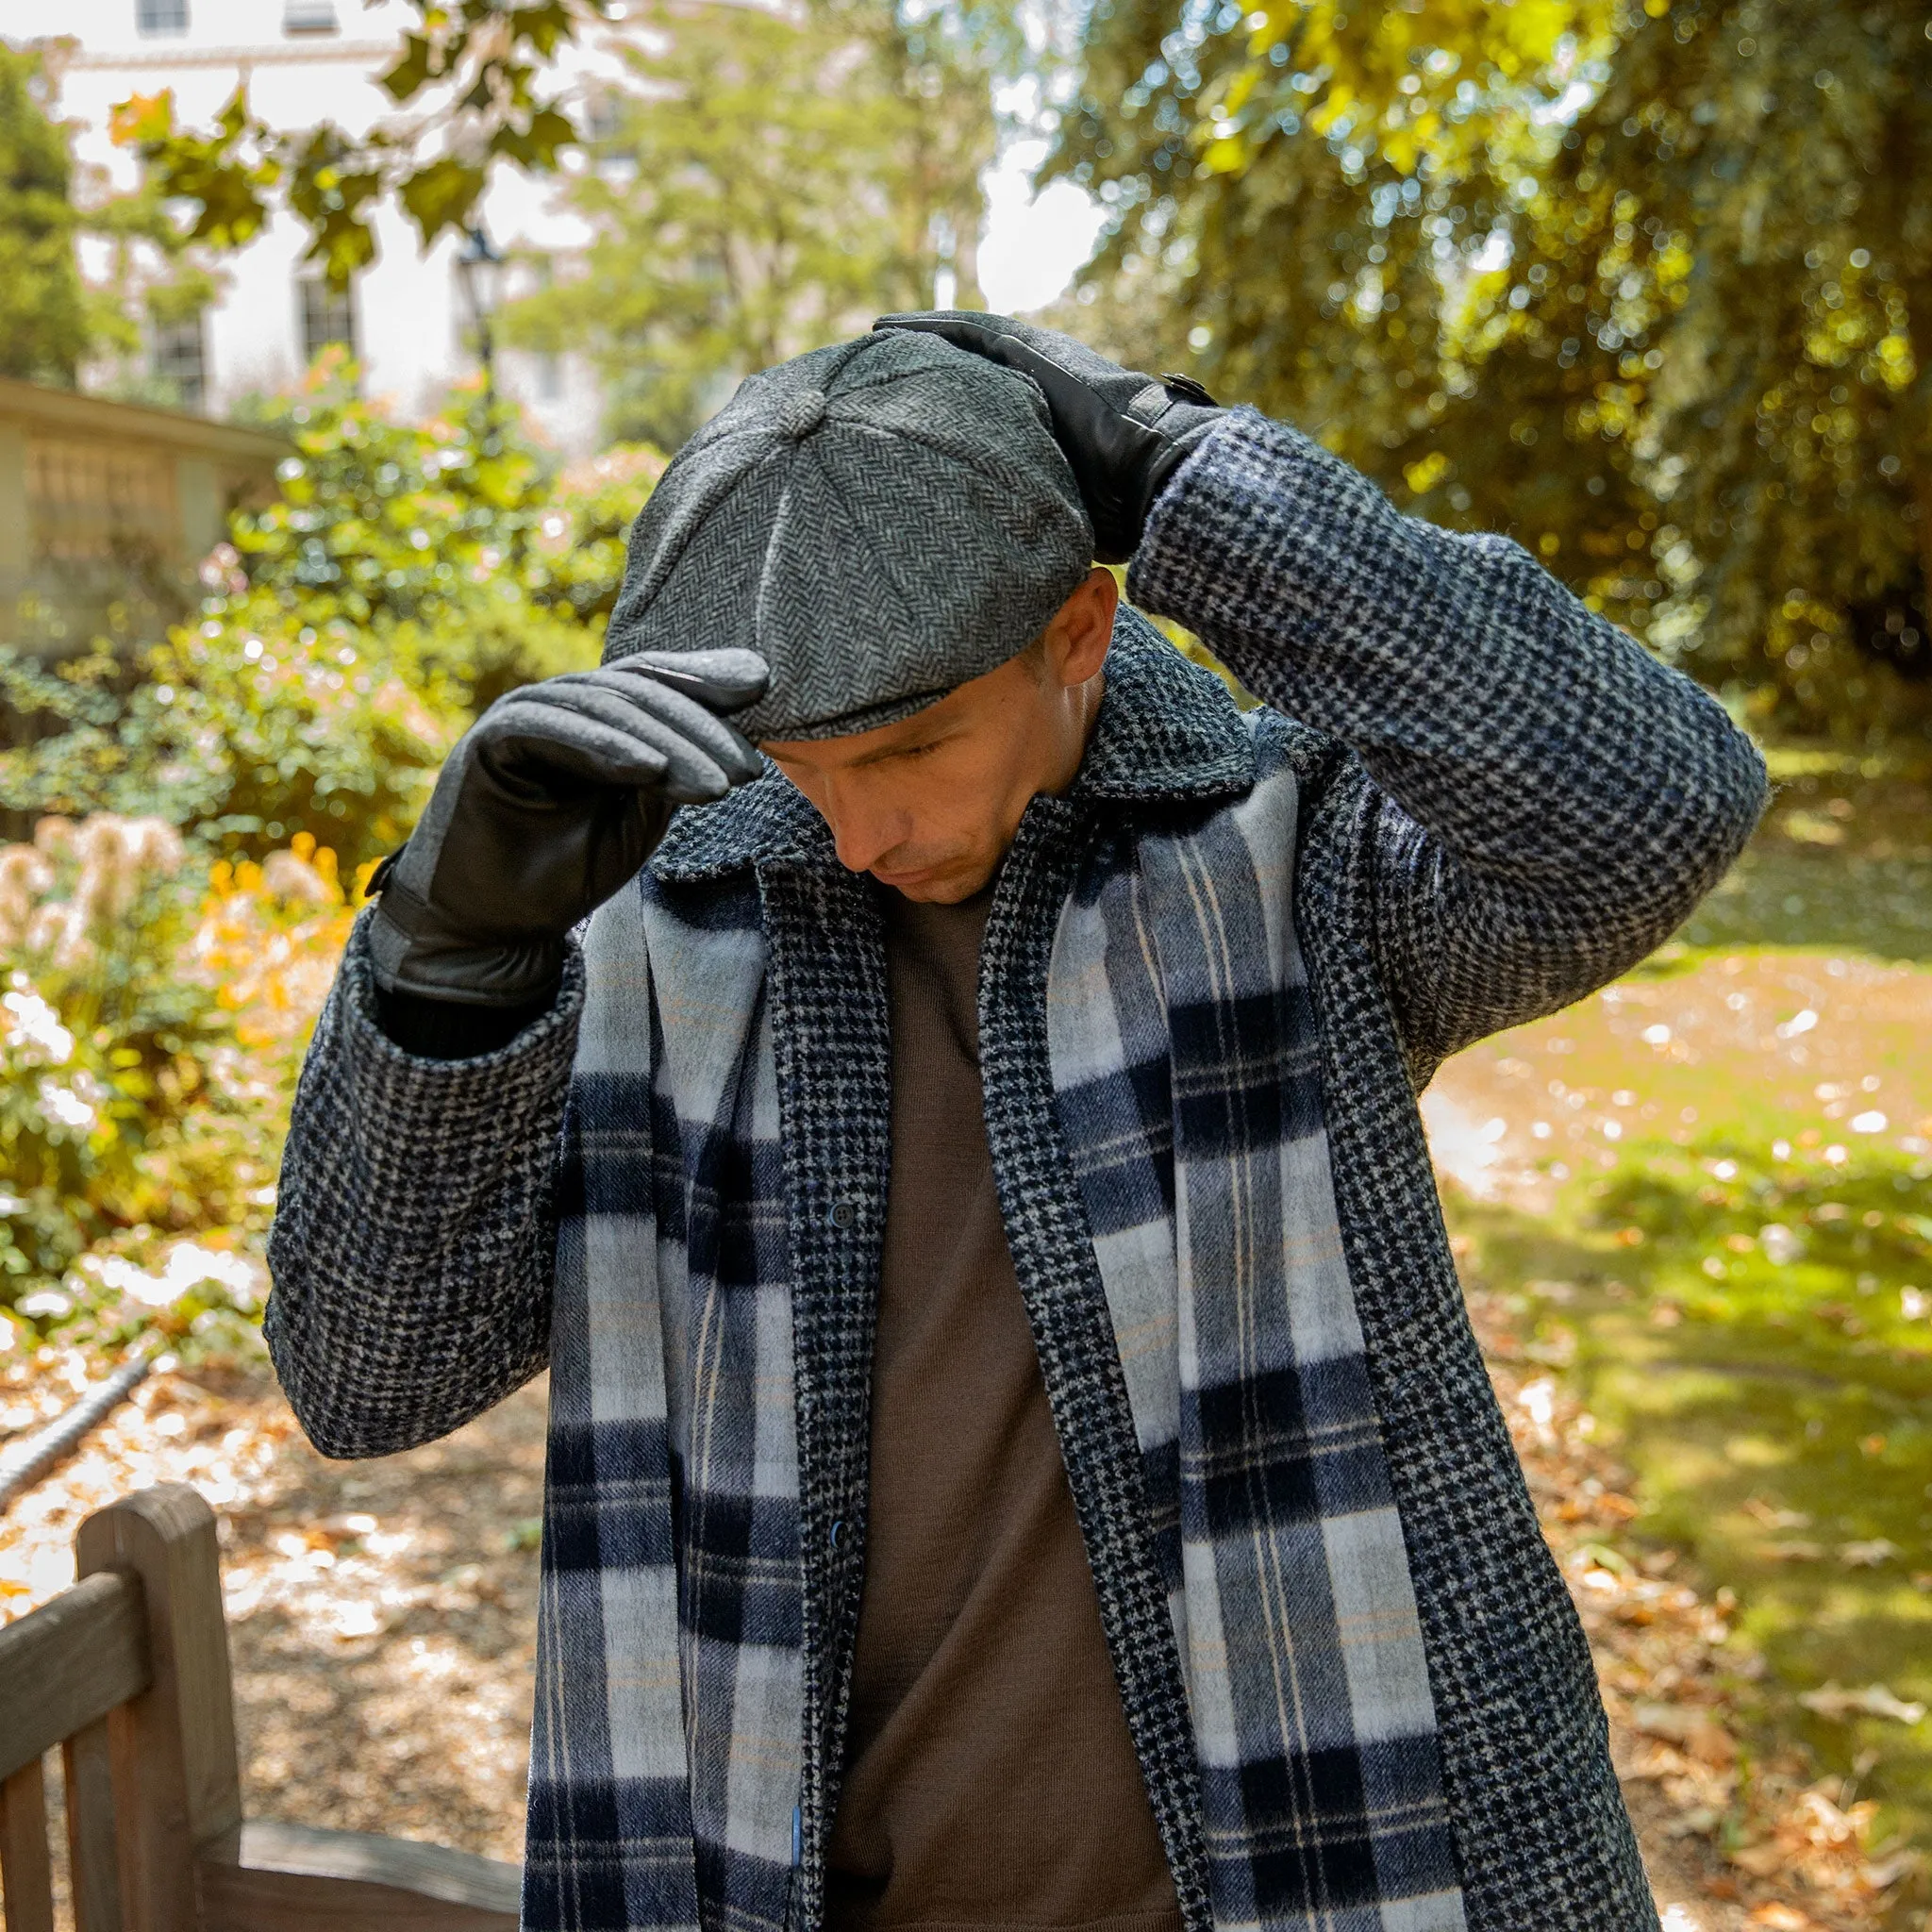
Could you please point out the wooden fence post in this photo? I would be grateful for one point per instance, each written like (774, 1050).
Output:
(175, 1775)
(26, 1869)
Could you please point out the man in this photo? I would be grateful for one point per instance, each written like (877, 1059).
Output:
(1018, 1456)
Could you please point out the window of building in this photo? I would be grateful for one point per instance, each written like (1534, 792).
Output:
(310, 17)
(90, 501)
(161, 16)
(180, 359)
(329, 315)
(603, 114)
(607, 124)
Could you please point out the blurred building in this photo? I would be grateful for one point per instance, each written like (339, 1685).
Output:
(110, 505)
(405, 316)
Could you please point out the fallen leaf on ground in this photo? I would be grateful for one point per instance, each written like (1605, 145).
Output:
(1873, 1699)
(1868, 1555)
(1697, 1731)
(1881, 1873)
(1698, 1822)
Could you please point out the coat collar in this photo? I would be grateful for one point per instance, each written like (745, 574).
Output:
(1168, 731)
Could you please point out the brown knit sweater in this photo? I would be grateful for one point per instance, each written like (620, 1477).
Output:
(989, 1779)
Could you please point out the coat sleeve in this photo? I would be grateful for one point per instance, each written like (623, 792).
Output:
(1548, 801)
(413, 1245)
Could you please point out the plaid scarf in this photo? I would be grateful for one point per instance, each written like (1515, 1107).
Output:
(1155, 1117)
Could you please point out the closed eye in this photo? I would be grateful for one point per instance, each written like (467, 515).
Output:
(898, 751)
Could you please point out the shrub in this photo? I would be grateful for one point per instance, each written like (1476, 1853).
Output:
(151, 1030)
(242, 734)
(410, 575)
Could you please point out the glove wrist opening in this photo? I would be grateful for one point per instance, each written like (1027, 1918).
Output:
(415, 954)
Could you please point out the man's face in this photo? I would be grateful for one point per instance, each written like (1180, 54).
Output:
(928, 806)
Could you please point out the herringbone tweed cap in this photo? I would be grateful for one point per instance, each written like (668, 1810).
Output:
(882, 519)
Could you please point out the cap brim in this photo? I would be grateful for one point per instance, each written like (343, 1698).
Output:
(849, 724)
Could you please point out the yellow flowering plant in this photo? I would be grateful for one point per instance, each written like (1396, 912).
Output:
(151, 1029)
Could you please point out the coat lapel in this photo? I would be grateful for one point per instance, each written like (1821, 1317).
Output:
(1066, 1305)
(832, 1043)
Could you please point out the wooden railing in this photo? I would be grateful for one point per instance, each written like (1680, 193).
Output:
(127, 1674)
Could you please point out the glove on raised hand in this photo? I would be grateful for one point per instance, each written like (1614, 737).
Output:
(549, 804)
(1123, 434)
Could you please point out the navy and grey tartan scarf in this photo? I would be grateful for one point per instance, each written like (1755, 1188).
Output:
(1154, 1108)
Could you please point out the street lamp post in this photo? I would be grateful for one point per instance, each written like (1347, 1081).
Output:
(480, 266)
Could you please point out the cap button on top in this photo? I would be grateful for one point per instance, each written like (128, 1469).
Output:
(800, 415)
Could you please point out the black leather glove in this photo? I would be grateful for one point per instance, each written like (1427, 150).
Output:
(548, 805)
(1124, 433)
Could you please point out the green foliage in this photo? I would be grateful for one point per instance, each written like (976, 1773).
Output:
(150, 275)
(768, 183)
(247, 732)
(154, 993)
(1785, 430)
(915, 79)
(938, 61)
(1638, 284)
(70, 1103)
(409, 575)
(150, 1033)
(45, 329)
(51, 320)
(474, 73)
(381, 522)
(1290, 218)
(452, 539)
(1413, 85)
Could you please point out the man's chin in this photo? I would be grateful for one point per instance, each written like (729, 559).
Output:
(935, 885)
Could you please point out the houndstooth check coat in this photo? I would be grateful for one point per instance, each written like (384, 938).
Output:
(1216, 974)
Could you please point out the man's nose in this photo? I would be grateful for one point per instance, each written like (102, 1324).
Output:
(863, 834)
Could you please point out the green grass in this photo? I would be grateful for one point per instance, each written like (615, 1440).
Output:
(1844, 859)
(1737, 1283)
(1777, 1414)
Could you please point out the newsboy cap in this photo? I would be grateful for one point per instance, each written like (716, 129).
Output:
(882, 521)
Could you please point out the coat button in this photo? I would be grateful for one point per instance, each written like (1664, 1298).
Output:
(843, 1214)
(838, 1530)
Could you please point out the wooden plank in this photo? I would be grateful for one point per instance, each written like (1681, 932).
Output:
(68, 1663)
(176, 1780)
(26, 1873)
(270, 1877)
(91, 1852)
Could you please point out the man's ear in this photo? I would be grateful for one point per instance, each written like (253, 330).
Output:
(1077, 637)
